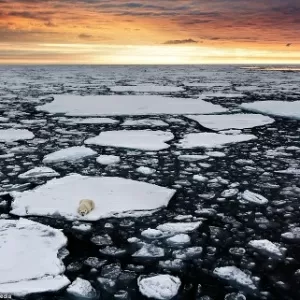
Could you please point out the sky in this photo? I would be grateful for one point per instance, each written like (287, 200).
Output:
(149, 32)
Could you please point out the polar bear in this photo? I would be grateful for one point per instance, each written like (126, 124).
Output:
(85, 206)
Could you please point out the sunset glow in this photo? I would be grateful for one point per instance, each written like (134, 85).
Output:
(149, 32)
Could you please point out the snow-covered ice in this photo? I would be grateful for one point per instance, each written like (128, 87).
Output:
(163, 287)
(145, 122)
(266, 247)
(149, 251)
(235, 276)
(210, 140)
(11, 135)
(39, 172)
(233, 121)
(152, 233)
(93, 121)
(145, 170)
(108, 159)
(192, 157)
(292, 235)
(254, 198)
(146, 88)
(72, 154)
(179, 239)
(113, 196)
(81, 288)
(179, 227)
(75, 105)
(284, 109)
(133, 139)
(29, 262)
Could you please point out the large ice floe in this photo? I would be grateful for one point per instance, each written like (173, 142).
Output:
(233, 121)
(146, 88)
(163, 287)
(75, 105)
(113, 196)
(210, 140)
(11, 135)
(72, 154)
(267, 247)
(275, 108)
(133, 139)
(29, 262)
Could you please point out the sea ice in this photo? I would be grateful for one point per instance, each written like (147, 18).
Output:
(113, 196)
(81, 288)
(145, 170)
(145, 122)
(179, 227)
(108, 159)
(152, 233)
(93, 121)
(133, 139)
(72, 154)
(146, 88)
(12, 135)
(29, 262)
(192, 157)
(254, 198)
(179, 240)
(163, 287)
(149, 251)
(292, 235)
(233, 121)
(188, 253)
(39, 172)
(75, 105)
(210, 140)
(284, 109)
(235, 276)
(266, 247)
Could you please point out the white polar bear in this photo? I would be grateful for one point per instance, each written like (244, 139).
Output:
(85, 206)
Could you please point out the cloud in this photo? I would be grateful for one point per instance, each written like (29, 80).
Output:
(179, 42)
(85, 36)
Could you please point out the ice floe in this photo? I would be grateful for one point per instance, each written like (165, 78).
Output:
(108, 159)
(113, 196)
(146, 88)
(26, 241)
(75, 105)
(233, 121)
(145, 122)
(179, 227)
(145, 170)
(149, 251)
(133, 139)
(192, 157)
(210, 140)
(93, 121)
(235, 276)
(163, 287)
(81, 288)
(11, 135)
(284, 109)
(39, 172)
(266, 247)
(254, 198)
(292, 235)
(72, 154)
(179, 240)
